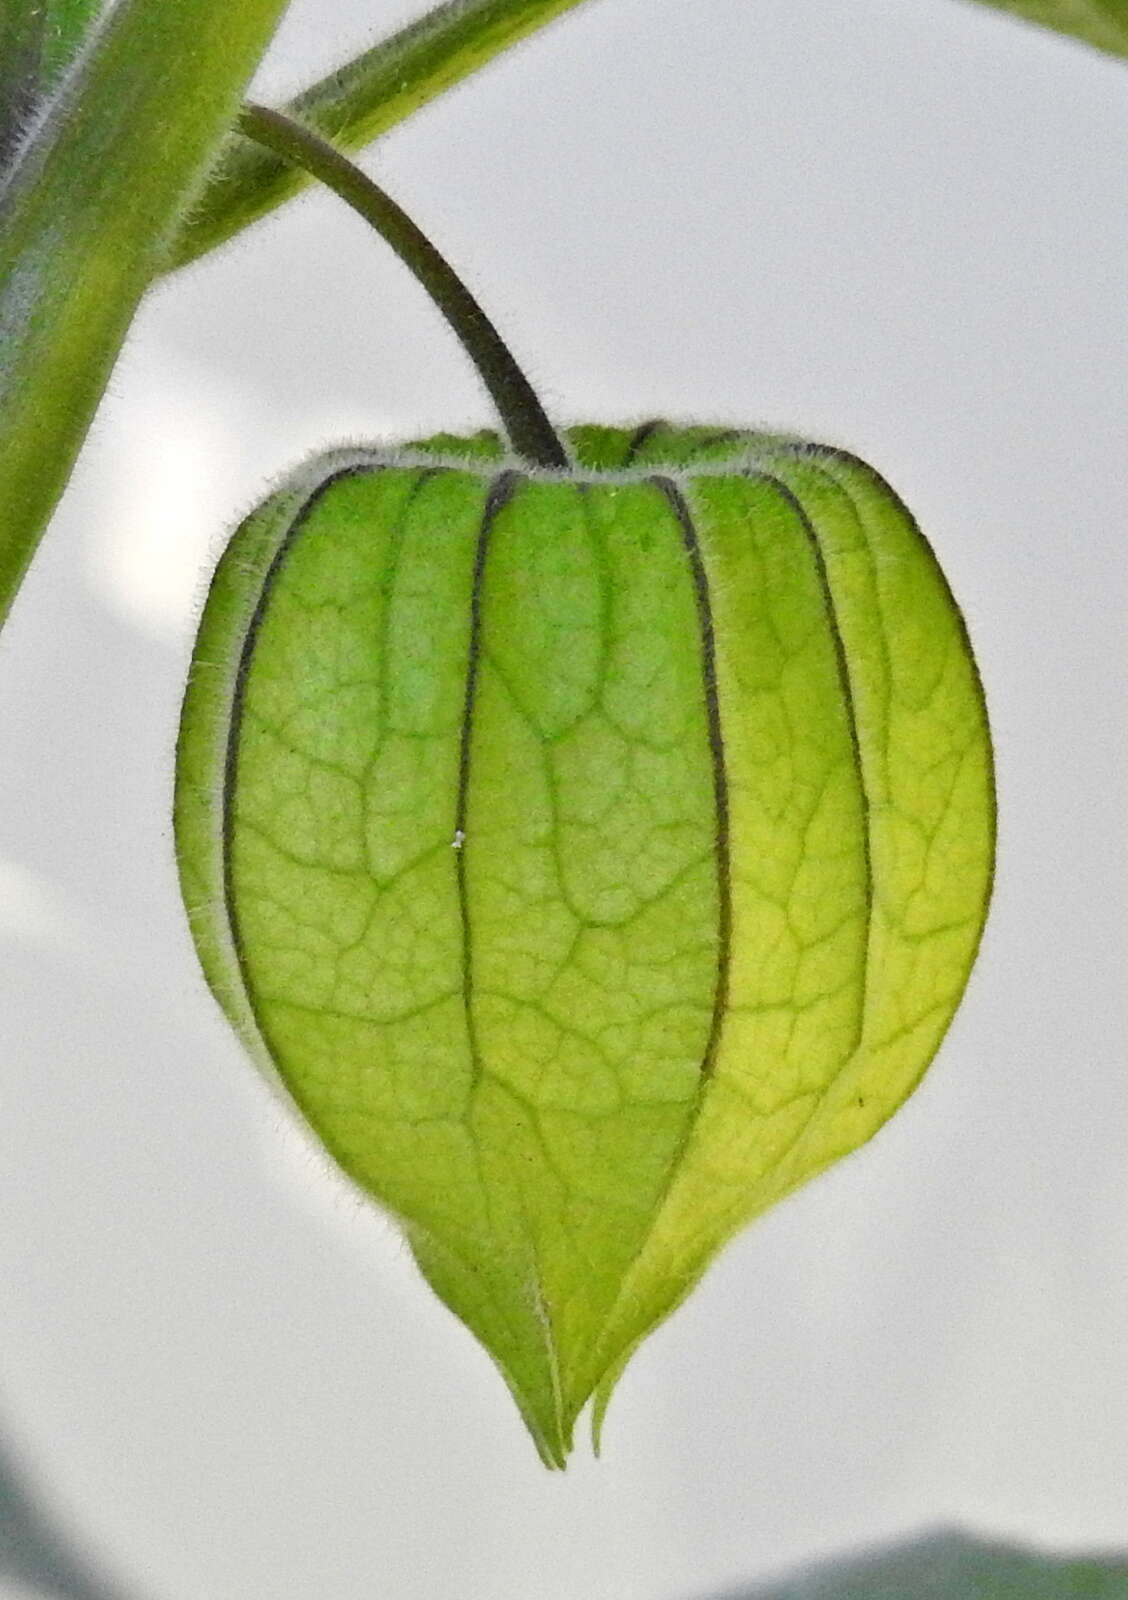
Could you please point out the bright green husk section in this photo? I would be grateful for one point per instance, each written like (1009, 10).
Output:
(592, 857)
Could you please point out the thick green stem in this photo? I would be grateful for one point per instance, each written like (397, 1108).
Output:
(21, 55)
(38, 41)
(530, 432)
(85, 219)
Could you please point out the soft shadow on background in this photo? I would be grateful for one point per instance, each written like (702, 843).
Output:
(898, 225)
(941, 1565)
(34, 1551)
(948, 1565)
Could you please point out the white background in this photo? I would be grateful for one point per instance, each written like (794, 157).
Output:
(900, 225)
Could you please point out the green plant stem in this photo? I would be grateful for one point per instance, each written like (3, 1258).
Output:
(85, 219)
(38, 39)
(21, 53)
(530, 432)
(357, 103)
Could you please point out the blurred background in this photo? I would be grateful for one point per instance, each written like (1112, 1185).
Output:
(898, 225)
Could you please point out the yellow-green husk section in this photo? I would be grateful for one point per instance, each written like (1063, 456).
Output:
(592, 857)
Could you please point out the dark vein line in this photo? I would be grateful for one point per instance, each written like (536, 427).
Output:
(722, 843)
(722, 436)
(555, 1448)
(842, 664)
(639, 437)
(237, 716)
(500, 492)
(605, 1384)
(235, 722)
(837, 457)
(683, 517)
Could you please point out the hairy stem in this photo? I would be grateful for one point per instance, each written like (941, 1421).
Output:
(86, 212)
(357, 103)
(530, 432)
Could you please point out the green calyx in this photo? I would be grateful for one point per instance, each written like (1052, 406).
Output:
(593, 856)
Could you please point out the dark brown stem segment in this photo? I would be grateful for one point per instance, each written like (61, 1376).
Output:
(530, 433)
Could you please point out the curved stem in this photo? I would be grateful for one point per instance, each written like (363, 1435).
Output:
(530, 432)
(355, 103)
